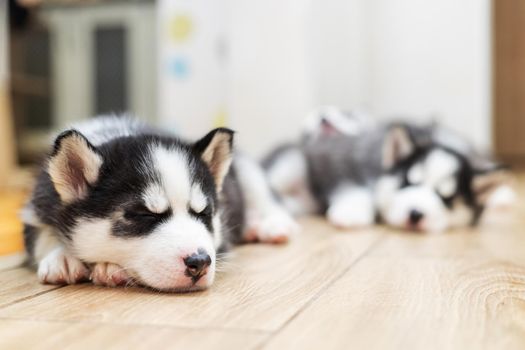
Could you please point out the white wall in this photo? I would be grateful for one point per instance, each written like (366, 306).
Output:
(193, 74)
(413, 57)
(270, 86)
(407, 57)
(339, 37)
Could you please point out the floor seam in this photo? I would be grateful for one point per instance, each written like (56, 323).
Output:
(29, 297)
(316, 296)
(146, 325)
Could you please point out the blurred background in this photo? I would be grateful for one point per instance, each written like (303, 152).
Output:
(260, 66)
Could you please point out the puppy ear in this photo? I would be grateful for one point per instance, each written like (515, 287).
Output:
(398, 145)
(216, 150)
(328, 128)
(487, 181)
(74, 166)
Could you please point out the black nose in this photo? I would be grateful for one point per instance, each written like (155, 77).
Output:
(197, 263)
(415, 216)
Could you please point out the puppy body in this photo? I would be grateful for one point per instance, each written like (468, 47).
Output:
(120, 202)
(413, 177)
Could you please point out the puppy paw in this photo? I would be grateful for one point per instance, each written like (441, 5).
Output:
(108, 275)
(59, 268)
(348, 217)
(276, 227)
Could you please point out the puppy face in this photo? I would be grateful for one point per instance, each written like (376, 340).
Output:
(146, 203)
(430, 187)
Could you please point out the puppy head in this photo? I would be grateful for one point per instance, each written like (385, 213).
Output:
(429, 187)
(146, 203)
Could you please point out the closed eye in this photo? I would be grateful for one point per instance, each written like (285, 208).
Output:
(142, 212)
(447, 187)
(204, 213)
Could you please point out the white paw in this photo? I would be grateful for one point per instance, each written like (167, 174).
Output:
(350, 217)
(276, 227)
(59, 268)
(109, 275)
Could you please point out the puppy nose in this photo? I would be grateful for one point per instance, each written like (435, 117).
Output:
(415, 216)
(197, 263)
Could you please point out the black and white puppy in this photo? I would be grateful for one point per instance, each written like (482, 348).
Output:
(118, 202)
(422, 178)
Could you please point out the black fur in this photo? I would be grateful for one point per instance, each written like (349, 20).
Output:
(464, 176)
(30, 234)
(123, 177)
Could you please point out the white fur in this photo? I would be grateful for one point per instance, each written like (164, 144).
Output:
(351, 207)
(45, 242)
(435, 173)
(58, 267)
(155, 260)
(55, 265)
(288, 176)
(274, 227)
(155, 199)
(198, 201)
(172, 166)
(102, 129)
(447, 187)
(502, 198)
(348, 124)
(423, 199)
(439, 166)
(267, 220)
(416, 175)
(28, 215)
(217, 230)
(385, 190)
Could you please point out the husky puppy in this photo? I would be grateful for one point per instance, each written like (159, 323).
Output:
(119, 202)
(421, 178)
(287, 167)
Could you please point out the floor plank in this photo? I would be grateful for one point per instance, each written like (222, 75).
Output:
(19, 284)
(262, 288)
(456, 291)
(20, 335)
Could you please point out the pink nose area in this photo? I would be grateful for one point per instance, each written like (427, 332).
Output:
(197, 264)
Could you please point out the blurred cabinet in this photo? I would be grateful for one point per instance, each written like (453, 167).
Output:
(103, 59)
(509, 79)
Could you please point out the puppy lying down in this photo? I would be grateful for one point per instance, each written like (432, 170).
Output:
(414, 177)
(118, 202)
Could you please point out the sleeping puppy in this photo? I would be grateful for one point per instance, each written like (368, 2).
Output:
(118, 202)
(421, 178)
(287, 167)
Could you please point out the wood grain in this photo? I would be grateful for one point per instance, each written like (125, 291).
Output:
(20, 284)
(63, 335)
(462, 290)
(262, 288)
(328, 289)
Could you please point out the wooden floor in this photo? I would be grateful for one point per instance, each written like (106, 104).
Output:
(328, 289)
